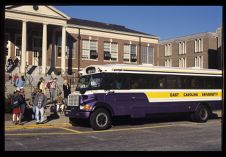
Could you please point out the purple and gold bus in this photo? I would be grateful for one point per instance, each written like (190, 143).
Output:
(107, 91)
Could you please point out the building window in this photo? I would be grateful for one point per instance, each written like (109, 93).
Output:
(168, 63)
(70, 49)
(18, 44)
(182, 47)
(6, 43)
(168, 49)
(110, 51)
(89, 49)
(198, 45)
(130, 53)
(147, 55)
(199, 61)
(58, 46)
(182, 62)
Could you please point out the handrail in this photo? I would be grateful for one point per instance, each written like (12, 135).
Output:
(58, 88)
(30, 82)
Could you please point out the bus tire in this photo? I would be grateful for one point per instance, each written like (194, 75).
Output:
(201, 114)
(100, 119)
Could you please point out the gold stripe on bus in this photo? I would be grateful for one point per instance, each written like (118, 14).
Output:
(183, 94)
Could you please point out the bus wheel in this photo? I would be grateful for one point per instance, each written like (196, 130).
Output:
(201, 114)
(100, 119)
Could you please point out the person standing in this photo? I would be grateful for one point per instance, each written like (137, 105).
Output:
(33, 94)
(20, 82)
(42, 86)
(15, 77)
(39, 82)
(67, 90)
(17, 100)
(16, 61)
(23, 103)
(40, 102)
(10, 63)
(52, 88)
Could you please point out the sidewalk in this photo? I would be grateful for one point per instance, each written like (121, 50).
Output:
(50, 120)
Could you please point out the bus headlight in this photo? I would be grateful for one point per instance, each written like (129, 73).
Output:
(86, 107)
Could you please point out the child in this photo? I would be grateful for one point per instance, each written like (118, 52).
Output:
(59, 103)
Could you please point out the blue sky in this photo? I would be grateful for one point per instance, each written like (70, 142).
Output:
(163, 21)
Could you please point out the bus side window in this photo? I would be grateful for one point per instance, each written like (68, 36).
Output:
(161, 82)
(196, 83)
(179, 82)
(193, 83)
(171, 82)
(139, 81)
(119, 81)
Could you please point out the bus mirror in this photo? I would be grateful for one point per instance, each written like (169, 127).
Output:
(82, 91)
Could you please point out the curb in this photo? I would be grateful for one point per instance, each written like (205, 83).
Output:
(35, 126)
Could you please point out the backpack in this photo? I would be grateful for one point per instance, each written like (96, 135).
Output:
(16, 101)
(48, 84)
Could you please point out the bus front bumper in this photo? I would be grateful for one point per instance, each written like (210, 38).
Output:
(77, 114)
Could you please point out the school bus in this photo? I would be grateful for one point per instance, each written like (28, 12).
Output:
(106, 91)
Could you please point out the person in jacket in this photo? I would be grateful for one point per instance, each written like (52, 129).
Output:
(40, 102)
(67, 90)
(33, 94)
(17, 100)
(52, 85)
(20, 82)
(23, 103)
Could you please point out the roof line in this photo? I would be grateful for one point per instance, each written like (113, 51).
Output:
(58, 11)
(185, 36)
(114, 31)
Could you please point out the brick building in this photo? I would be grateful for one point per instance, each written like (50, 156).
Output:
(201, 50)
(44, 37)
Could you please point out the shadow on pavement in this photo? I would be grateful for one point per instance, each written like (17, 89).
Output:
(153, 119)
(52, 116)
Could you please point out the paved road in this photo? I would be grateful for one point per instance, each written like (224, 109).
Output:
(154, 135)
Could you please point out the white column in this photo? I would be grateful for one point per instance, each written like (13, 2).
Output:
(53, 54)
(23, 47)
(63, 50)
(9, 48)
(44, 48)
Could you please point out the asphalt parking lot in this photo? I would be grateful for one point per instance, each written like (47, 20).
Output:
(160, 134)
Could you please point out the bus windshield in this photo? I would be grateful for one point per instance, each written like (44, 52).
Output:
(90, 82)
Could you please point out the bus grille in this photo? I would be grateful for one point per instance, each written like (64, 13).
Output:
(73, 100)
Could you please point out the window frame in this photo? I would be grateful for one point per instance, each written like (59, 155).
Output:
(89, 55)
(110, 51)
(147, 54)
(130, 50)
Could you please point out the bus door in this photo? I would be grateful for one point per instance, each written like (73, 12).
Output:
(117, 93)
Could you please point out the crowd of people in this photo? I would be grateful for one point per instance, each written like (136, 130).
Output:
(38, 100)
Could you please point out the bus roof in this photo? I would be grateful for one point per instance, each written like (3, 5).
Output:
(147, 68)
